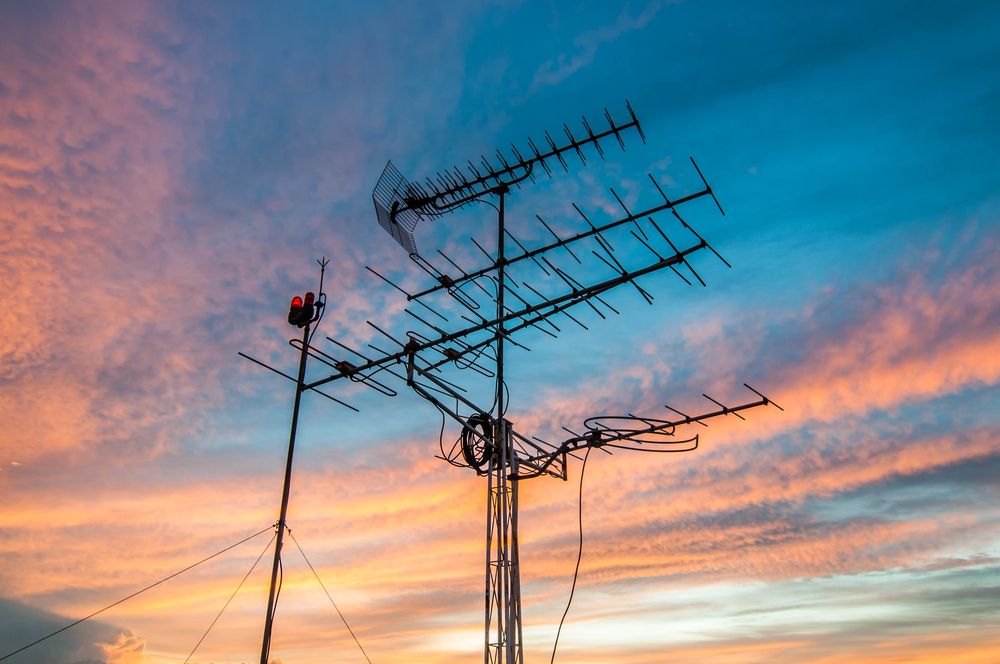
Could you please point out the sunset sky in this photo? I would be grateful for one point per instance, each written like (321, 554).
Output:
(170, 172)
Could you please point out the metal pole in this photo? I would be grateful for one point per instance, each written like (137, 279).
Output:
(500, 310)
(489, 555)
(265, 647)
(507, 581)
(497, 524)
(515, 564)
(500, 441)
(503, 625)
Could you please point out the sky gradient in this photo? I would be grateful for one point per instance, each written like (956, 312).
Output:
(171, 171)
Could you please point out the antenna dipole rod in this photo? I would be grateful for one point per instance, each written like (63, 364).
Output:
(565, 241)
(558, 304)
(469, 189)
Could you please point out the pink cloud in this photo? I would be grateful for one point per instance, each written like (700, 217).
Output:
(117, 319)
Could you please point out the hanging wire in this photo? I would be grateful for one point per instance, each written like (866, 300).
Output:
(328, 595)
(226, 605)
(479, 353)
(579, 555)
(479, 200)
(441, 434)
(72, 624)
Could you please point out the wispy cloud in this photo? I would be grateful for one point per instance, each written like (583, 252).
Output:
(553, 72)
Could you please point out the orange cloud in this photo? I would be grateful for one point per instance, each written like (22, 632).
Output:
(868, 348)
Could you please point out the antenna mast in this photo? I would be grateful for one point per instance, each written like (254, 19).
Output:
(303, 314)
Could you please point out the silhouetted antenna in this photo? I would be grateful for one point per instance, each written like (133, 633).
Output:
(399, 204)
(490, 309)
(389, 190)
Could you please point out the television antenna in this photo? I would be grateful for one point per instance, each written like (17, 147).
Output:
(488, 443)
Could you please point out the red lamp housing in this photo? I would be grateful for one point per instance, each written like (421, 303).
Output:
(301, 313)
(295, 311)
(307, 309)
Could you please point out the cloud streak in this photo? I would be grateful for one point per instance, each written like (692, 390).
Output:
(553, 72)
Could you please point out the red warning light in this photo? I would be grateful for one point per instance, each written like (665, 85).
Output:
(295, 311)
(310, 298)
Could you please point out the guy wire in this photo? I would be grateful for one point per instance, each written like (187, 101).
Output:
(72, 624)
(226, 605)
(328, 595)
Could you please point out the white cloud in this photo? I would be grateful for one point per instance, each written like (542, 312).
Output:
(552, 72)
(661, 164)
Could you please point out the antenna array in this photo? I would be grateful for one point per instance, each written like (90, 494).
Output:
(496, 305)
(400, 204)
